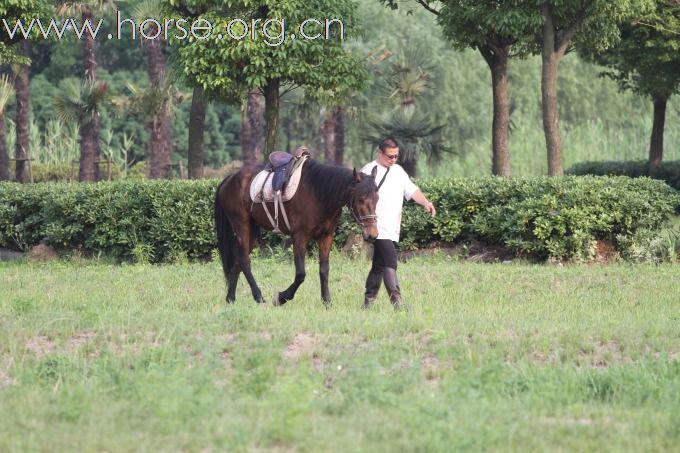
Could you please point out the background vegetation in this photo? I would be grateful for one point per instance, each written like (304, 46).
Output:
(598, 122)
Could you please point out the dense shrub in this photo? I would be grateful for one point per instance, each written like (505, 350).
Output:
(169, 218)
(541, 217)
(164, 220)
(669, 172)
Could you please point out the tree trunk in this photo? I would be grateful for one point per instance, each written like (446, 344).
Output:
(161, 133)
(549, 73)
(271, 114)
(656, 141)
(89, 149)
(89, 130)
(339, 116)
(160, 153)
(4, 155)
(409, 164)
(153, 48)
(497, 59)
(328, 133)
(89, 53)
(21, 89)
(199, 104)
(252, 128)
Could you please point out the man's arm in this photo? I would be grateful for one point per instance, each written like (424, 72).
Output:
(420, 198)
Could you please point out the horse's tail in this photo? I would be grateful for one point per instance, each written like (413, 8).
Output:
(226, 240)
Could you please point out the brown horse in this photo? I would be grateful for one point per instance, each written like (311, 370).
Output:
(313, 213)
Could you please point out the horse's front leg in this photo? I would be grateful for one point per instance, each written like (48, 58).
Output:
(325, 244)
(299, 251)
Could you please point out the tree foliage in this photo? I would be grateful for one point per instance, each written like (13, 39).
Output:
(647, 58)
(227, 67)
(11, 11)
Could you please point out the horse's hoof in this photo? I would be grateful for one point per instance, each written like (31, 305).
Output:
(275, 301)
(230, 301)
(327, 304)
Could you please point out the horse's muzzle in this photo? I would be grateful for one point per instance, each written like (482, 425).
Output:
(370, 236)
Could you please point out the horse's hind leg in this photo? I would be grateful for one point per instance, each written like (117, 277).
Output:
(234, 273)
(246, 243)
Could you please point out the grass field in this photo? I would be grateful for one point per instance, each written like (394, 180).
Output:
(515, 357)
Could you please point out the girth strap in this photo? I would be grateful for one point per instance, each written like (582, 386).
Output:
(275, 220)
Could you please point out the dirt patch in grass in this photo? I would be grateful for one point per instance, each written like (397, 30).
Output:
(431, 369)
(6, 380)
(601, 355)
(267, 336)
(302, 344)
(80, 339)
(40, 345)
(672, 355)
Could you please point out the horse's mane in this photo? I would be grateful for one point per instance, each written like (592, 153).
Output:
(329, 183)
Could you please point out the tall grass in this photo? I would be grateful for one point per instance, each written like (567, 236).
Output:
(56, 144)
(513, 357)
(59, 144)
(593, 140)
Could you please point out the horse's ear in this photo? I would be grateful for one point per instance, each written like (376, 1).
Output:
(357, 177)
(374, 172)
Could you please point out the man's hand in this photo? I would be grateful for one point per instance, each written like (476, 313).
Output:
(429, 207)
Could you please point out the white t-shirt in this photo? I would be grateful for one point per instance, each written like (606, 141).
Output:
(397, 187)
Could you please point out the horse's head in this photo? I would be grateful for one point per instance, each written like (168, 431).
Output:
(362, 202)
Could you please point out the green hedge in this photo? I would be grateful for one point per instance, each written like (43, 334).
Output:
(669, 172)
(163, 220)
(540, 217)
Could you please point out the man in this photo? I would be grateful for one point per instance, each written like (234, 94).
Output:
(394, 185)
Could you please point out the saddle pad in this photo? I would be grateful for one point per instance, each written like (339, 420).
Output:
(258, 195)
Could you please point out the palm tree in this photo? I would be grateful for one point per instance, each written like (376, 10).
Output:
(417, 136)
(154, 105)
(407, 85)
(21, 86)
(6, 92)
(160, 127)
(80, 103)
(89, 145)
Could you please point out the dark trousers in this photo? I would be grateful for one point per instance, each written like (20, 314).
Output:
(383, 269)
(384, 255)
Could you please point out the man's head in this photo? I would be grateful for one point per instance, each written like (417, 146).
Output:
(388, 152)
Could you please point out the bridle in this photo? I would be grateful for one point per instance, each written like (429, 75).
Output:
(371, 218)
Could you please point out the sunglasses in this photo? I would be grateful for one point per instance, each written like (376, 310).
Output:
(391, 156)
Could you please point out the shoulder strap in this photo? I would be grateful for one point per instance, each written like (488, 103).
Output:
(383, 178)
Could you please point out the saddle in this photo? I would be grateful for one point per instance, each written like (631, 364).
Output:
(278, 182)
(281, 163)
